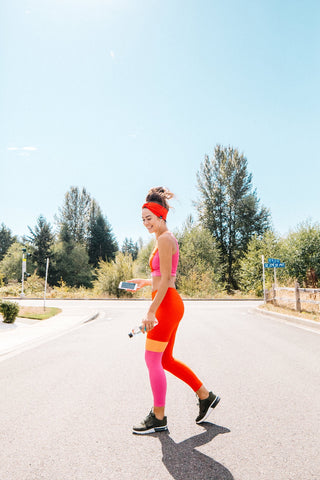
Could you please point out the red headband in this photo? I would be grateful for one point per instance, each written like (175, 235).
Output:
(157, 209)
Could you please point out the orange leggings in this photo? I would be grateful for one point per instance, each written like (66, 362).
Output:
(169, 314)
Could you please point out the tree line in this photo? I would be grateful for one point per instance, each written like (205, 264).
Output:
(220, 250)
(82, 240)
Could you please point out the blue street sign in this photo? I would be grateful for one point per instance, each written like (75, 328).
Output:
(274, 260)
(274, 265)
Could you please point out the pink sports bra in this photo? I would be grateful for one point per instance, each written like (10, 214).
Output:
(154, 262)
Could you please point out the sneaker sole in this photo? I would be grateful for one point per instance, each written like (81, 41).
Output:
(151, 430)
(212, 406)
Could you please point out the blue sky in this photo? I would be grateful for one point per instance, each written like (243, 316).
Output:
(121, 95)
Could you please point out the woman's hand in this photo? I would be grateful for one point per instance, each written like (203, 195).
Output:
(141, 282)
(149, 322)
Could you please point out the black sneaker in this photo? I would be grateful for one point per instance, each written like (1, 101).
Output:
(151, 424)
(206, 406)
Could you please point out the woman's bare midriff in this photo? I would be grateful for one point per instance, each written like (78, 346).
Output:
(156, 283)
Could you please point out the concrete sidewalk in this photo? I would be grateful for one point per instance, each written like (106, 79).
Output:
(22, 334)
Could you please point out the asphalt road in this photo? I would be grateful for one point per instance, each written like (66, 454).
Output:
(67, 406)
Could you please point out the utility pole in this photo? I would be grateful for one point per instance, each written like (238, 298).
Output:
(24, 275)
(24, 269)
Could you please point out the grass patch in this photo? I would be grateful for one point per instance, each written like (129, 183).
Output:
(287, 311)
(38, 313)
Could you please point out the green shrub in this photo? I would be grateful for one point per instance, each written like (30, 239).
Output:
(64, 291)
(13, 289)
(9, 311)
(199, 284)
(34, 285)
(110, 274)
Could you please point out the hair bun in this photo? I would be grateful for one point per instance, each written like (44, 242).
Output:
(163, 191)
(160, 195)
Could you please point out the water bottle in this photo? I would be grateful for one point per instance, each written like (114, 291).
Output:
(139, 329)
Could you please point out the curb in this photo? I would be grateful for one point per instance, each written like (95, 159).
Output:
(292, 319)
(141, 299)
(46, 337)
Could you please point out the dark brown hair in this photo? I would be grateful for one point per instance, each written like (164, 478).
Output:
(160, 195)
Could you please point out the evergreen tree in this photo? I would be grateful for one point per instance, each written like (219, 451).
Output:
(130, 247)
(42, 240)
(6, 240)
(229, 207)
(101, 242)
(75, 214)
(70, 262)
(66, 238)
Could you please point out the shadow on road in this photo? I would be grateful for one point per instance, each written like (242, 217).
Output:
(184, 462)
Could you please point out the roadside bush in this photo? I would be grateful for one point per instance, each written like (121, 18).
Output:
(198, 283)
(34, 285)
(13, 289)
(64, 291)
(142, 267)
(9, 311)
(300, 250)
(110, 274)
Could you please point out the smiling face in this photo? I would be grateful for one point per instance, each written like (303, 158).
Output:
(150, 221)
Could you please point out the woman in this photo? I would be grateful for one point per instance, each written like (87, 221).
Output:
(167, 307)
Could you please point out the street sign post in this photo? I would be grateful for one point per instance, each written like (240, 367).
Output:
(272, 263)
(263, 279)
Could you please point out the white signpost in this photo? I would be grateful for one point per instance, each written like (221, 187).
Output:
(45, 285)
